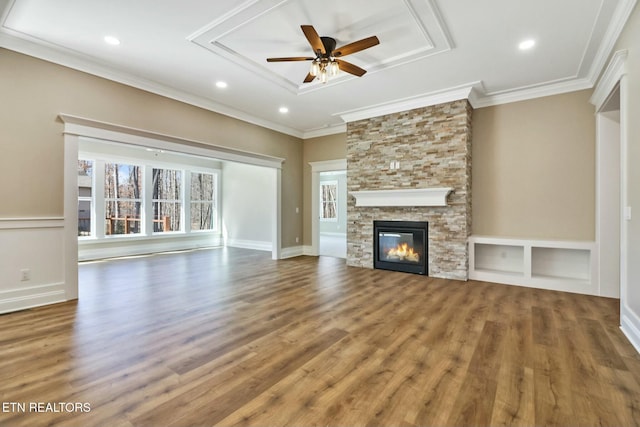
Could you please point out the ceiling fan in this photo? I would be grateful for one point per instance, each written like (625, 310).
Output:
(326, 61)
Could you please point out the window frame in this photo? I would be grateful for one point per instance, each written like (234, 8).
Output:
(322, 201)
(141, 200)
(216, 200)
(180, 201)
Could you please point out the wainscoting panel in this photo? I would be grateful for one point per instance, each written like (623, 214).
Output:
(32, 264)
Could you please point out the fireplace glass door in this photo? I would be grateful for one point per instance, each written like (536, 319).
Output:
(401, 246)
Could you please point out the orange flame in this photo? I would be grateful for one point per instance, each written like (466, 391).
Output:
(403, 252)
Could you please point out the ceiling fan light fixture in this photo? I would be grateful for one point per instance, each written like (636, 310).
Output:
(324, 64)
(315, 68)
(323, 75)
(334, 68)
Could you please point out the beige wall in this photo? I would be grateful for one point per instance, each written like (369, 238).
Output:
(534, 168)
(33, 92)
(331, 147)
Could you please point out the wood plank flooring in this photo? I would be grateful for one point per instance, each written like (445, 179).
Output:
(229, 337)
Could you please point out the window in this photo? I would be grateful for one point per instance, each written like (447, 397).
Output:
(203, 202)
(328, 200)
(85, 200)
(142, 198)
(123, 198)
(167, 200)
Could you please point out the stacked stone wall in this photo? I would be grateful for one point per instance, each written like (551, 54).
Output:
(433, 148)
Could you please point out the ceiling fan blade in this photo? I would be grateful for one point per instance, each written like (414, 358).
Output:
(314, 39)
(356, 46)
(350, 68)
(309, 78)
(293, 58)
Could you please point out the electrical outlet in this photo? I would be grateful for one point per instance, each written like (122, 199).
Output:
(25, 275)
(297, 240)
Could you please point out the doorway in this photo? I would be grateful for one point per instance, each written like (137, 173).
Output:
(609, 206)
(333, 245)
(333, 213)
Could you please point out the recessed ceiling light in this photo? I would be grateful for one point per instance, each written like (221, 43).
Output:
(111, 40)
(284, 110)
(221, 84)
(526, 44)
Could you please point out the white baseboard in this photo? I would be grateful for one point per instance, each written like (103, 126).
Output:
(630, 326)
(34, 247)
(292, 252)
(308, 250)
(33, 296)
(249, 244)
(92, 250)
(333, 234)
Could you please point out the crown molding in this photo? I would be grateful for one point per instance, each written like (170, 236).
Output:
(410, 103)
(618, 21)
(526, 93)
(329, 130)
(610, 78)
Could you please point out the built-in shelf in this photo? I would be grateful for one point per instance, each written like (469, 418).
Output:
(548, 264)
(408, 197)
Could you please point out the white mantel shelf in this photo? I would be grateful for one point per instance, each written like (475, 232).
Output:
(410, 197)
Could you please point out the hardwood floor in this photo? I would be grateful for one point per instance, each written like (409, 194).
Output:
(230, 337)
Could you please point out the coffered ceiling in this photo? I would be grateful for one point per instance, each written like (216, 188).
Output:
(430, 51)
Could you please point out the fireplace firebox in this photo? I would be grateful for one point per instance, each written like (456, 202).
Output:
(400, 246)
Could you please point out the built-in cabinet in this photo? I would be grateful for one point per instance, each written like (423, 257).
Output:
(548, 264)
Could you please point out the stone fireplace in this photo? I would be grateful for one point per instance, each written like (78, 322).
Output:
(425, 148)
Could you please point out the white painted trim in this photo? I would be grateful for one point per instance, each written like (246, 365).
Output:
(292, 252)
(525, 277)
(610, 78)
(332, 234)
(21, 223)
(276, 223)
(70, 173)
(316, 168)
(308, 250)
(608, 221)
(630, 326)
(614, 29)
(33, 296)
(328, 165)
(406, 104)
(410, 197)
(257, 245)
(624, 195)
(81, 126)
(426, 16)
(531, 92)
(100, 249)
(329, 130)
